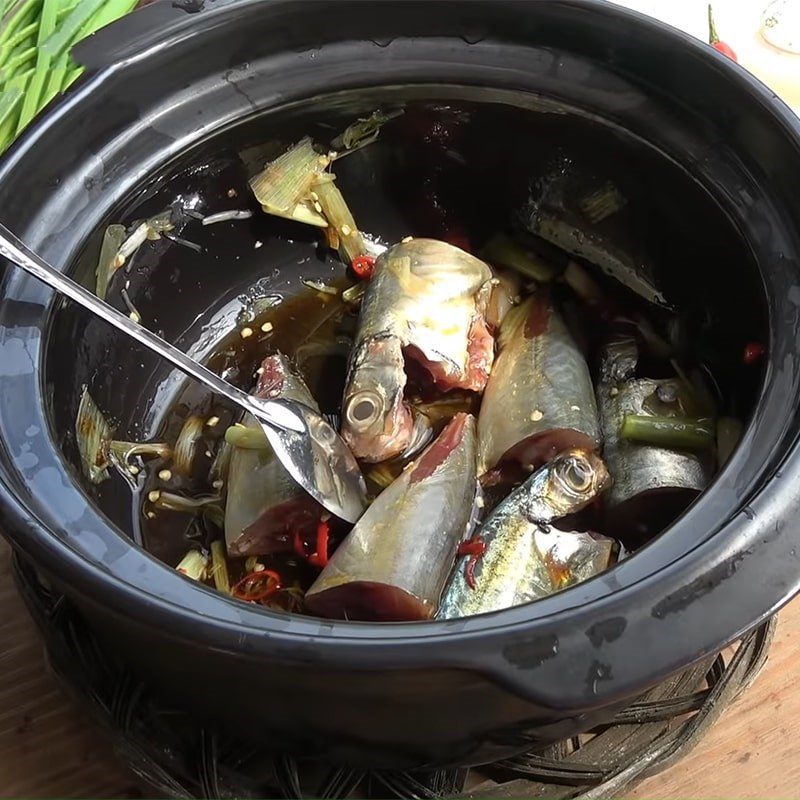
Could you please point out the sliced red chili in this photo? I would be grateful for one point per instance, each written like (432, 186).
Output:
(475, 549)
(320, 557)
(257, 586)
(364, 267)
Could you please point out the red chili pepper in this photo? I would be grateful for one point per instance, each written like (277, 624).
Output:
(257, 586)
(474, 548)
(753, 353)
(364, 267)
(714, 40)
(725, 49)
(320, 557)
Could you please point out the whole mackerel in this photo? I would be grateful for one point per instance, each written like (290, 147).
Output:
(526, 559)
(539, 400)
(394, 563)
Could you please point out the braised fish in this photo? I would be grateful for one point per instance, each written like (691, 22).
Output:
(524, 557)
(265, 507)
(394, 563)
(652, 484)
(426, 304)
(539, 400)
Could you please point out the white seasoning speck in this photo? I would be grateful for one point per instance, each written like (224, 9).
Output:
(260, 371)
(209, 454)
(258, 244)
(346, 230)
(218, 484)
(407, 239)
(613, 391)
(165, 475)
(266, 327)
(212, 421)
(151, 515)
(135, 317)
(536, 415)
(153, 496)
(232, 192)
(127, 284)
(133, 469)
(575, 408)
(246, 332)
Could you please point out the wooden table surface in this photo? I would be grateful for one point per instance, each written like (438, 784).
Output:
(47, 749)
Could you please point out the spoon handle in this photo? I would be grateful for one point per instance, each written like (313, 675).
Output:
(275, 415)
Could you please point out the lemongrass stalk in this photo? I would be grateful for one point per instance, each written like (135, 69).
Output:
(501, 251)
(250, 564)
(93, 436)
(583, 284)
(113, 238)
(194, 565)
(682, 433)
(186, 445)
(283, 187)
(601, 204)
(125, 451)
(246, 438)
(363, 131)
(351, 243)
(219, 568)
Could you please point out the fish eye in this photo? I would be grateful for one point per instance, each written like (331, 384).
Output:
(364, 408)
(577, 474)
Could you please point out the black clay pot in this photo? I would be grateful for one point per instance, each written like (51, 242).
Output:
(717, 159)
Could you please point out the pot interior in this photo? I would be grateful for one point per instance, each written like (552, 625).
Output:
(202, 300)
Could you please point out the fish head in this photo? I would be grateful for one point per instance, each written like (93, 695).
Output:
(574, 479)
(377, 423)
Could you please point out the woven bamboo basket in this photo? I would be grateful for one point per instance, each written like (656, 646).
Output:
(171, 754)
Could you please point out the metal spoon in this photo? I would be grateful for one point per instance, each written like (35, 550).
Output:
(307, 446)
